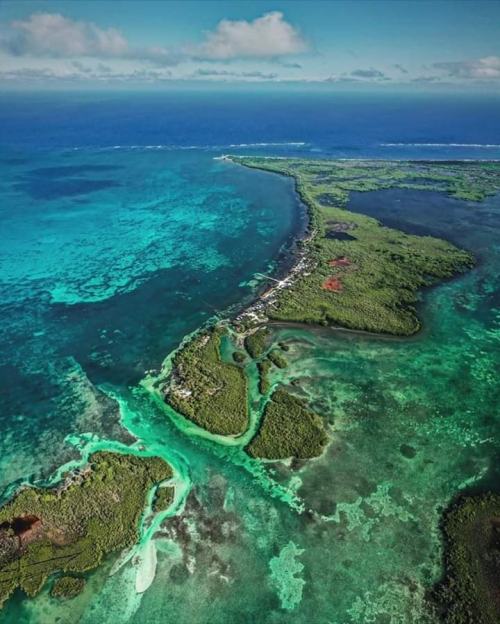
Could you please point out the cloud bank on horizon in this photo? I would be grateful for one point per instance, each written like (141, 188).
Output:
(45, 47)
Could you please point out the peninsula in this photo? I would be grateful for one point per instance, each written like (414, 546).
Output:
(351, 271)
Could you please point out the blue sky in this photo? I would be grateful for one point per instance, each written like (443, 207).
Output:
(337, 44)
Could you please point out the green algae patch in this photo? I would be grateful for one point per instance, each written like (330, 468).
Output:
(71, 528)
(67, 587)
(469, 593)
(206, 390)
(355, 272)
(288, 429)
(286, 576)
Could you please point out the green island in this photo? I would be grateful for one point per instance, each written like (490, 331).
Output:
(67, 530)
(210, 392)
(277, 358)
(164, 497)
(264, 368)
(67, 586)
(215, 395)
(288, 429)
(468, 593)
(351, 271)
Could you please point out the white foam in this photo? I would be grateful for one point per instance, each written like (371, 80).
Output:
(170, 147)
(472, 145)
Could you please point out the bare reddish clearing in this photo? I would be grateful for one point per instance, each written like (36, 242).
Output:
(333, 284)
(343, 261)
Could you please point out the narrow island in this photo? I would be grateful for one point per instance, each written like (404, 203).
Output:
(61, 533)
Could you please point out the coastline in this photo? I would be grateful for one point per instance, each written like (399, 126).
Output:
(305, 263)
(297, 258)
(420, 261)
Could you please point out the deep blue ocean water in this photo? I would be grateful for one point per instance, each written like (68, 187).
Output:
(345, 125)
(121, 233)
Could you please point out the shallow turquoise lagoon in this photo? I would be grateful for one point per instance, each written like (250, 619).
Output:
(108, 259)
(350, 538)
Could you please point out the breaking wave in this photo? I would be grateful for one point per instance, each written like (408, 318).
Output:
(472, 145)
(166, 147)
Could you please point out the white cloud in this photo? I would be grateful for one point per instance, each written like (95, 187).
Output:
(267, 36)
(52, 34)
(486, 68)
(56, 36)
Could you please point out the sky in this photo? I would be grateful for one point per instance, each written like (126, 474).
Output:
(333, 44)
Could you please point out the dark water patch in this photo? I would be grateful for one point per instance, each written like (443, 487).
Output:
(431, 213)
(20, 525)
(55, 189)
(326, 199)
(407, 451)
(422, 180)
(71, 170)
(341, 178)
(13, 161)
(335, 235)
(427, 161)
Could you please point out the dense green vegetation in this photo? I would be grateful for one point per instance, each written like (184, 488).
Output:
(257, 342)
(208, 391)
(355, 272)
(164, 497)
(264, 366)
(469, 592)
(360, 274)
(72, 527)
(288, 429)
(277, 358)
(67, 587)
(239, 357)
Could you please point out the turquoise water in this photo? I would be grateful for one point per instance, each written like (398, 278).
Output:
(109, 258)
(412, 422)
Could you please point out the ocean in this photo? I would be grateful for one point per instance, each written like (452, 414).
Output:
(122, 232)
